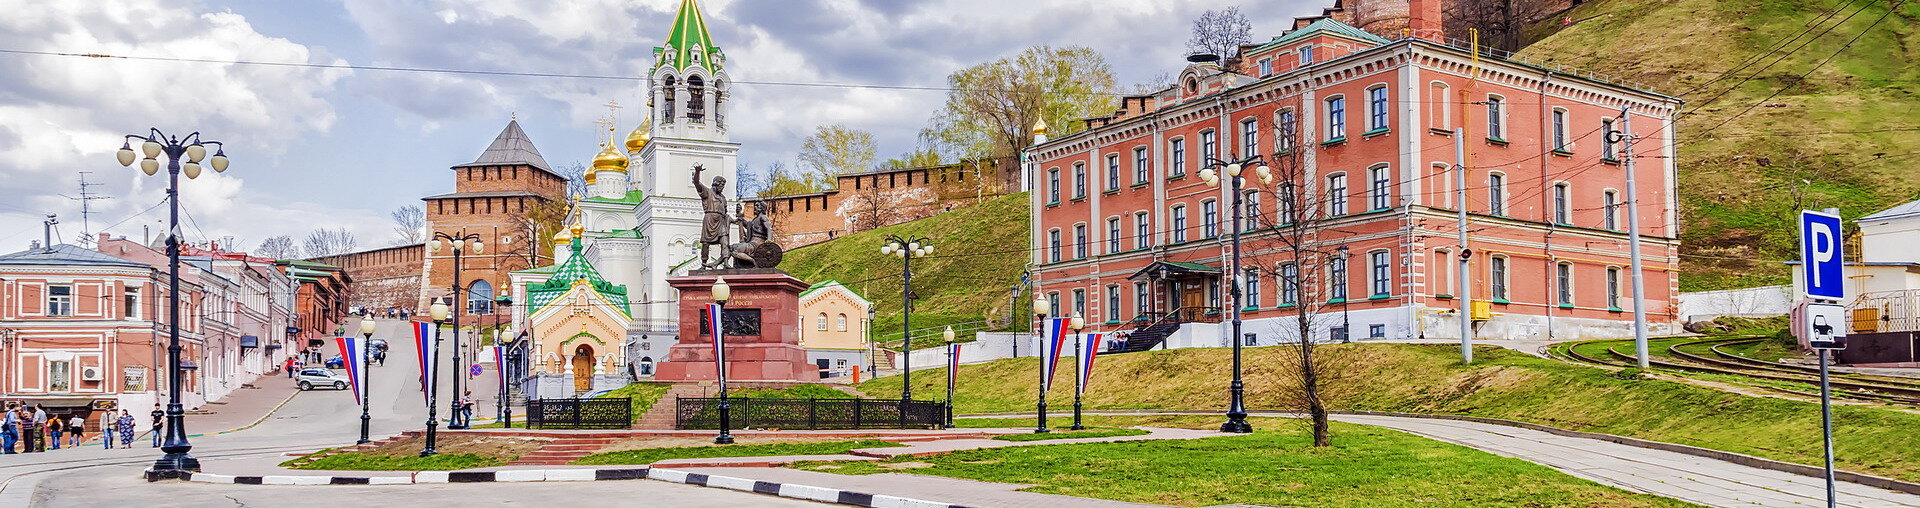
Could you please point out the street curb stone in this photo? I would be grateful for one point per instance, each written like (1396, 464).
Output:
(787, 490)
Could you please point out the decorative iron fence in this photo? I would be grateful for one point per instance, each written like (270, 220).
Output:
(579, 413)
(704, 413)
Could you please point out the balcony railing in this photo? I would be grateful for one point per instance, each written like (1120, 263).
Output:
(1886, 311)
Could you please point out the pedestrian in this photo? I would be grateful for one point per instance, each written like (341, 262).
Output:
(125, 424)
(76, 430)
(54, 427)
(159, 421)
(39, 428)
(107, 427)
(29, 430)
(466, 407)
(9, 429)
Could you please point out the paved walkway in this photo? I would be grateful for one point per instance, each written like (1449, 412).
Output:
(928, 488)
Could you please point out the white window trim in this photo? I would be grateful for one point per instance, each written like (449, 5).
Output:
(1562, 203)
(1502, 116)
(1500, 190)
(1372, 283)
(1388, 106)
(1387, 169)
(1569, 282)
(1343, 199)
(1345, 108)
(1446, 105)
(1503, 280)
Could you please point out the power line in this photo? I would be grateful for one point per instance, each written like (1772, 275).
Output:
(1803, 76)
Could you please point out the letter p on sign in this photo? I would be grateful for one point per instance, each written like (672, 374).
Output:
(1821, 262)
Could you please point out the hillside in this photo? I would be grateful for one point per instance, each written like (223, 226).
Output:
(979, 254)
(1844, 136)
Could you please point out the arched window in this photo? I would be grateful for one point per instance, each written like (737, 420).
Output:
(480, 298)
(820, 323)
(646, 366)
(840, 323)
(669, 94)
(696, 99)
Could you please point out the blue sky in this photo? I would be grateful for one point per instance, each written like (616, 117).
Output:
(342, 148)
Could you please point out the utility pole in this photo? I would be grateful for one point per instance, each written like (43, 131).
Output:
(86, 199)
(1633, 240)
(1464, 273)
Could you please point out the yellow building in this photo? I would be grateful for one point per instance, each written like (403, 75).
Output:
(578, 323)
(833, 327)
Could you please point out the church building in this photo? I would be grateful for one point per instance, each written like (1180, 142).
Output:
(577, 322)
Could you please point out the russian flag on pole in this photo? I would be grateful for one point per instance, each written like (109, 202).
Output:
(423, 342)
(1089, 348)
(953, 363)
(1050, 350)
(719, 338)
(350, 350)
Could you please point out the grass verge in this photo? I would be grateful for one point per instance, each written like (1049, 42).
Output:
(373, 462)
(651, 455)
(1073, 434)
(641, 396)
(791, 392)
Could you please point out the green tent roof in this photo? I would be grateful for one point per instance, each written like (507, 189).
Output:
(575, 268)
(1326, 25)
(689, 40)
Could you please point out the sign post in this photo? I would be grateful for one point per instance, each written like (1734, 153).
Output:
(1822, 318)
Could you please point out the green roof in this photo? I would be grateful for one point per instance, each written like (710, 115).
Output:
(1193, 266)
(689, 38)
(541, 270)
(309, 264)
(624, 233)
(632, 198)
(1328, 25)
(817, 285)
(575, 268)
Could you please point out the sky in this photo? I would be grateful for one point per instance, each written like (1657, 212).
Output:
(327, 148)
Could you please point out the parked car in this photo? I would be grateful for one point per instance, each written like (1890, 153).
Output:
(336, 362)
(310, 378)
(379, 345)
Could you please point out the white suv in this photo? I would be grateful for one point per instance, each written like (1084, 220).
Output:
(310, 378)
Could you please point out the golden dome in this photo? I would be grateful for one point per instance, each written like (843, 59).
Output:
(640, 136)
(1040, 127)
(610, 160)
(579, 229)
(562, 238)
(589, 177)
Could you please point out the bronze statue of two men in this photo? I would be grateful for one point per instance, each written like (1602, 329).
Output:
(754, 250)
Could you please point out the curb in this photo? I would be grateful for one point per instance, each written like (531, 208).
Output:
(787, 490)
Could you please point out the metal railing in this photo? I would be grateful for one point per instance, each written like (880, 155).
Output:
(704, 413)
(580, 413)
(1885, 311)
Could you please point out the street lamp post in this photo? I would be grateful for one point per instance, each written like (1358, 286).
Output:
(456, 418)
(1040, 332)
(721, 292)
(500, 398)
(906, 249)
(1346, 267)
(177, 462)
(947, 337)
(1078, 323)
(437, 311)
(366, 362)
(1236, 406)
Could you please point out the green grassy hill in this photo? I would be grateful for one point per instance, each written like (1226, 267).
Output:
(979, 254)
(1845, 136)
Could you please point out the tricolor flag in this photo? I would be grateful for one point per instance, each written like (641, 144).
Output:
(1089, 348)
(1055, 337)
(953, 363)
(719, 338)
(350, 350)
(423, 342)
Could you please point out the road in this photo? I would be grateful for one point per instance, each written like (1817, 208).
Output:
(91, 475)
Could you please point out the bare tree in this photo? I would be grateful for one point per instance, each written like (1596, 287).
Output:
(781, 182)
(410, 223)
(277, 247)
(1220, 32)
(327, 242)
(576, 175)
(835, 150)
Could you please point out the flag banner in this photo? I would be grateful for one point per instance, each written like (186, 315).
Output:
(1050, 350)
(1089, 348)
(350, 350)
(719, 338)
(423, 343)
(953, 363)
(500, 366)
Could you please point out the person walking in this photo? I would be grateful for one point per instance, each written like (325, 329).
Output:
(125, 426)
(290, 367)
(29, 430)
(9, 429)
(76, 431)
(107, 430)
(159, 421)
(54, 427)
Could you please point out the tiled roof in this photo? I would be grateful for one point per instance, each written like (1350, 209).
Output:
(510, 148)
(690, 31)
(565, 274)
(65, 254)
(1328, 25)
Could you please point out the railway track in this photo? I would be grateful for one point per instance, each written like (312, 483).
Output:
(1850, 386)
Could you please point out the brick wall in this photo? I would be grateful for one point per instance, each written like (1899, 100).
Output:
(863, 201)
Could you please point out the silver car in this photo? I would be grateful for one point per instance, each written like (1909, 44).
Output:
(310, 378)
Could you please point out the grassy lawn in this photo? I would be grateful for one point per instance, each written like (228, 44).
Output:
(791, 392)
(1071, 434)
(1428, 378)
(1367, 466)
(456, 451)
(641, 396)
(366, 462)
(652, 455)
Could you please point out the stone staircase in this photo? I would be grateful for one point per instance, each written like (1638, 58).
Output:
(661, 415)
(563, 450)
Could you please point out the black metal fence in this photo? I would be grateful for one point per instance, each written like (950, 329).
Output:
(579, 413)
(704, 413)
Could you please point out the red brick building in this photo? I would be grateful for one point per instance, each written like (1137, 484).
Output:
(81, 329)
(320, 302)
(1128, 234)
(491, 197)
(863, 201)
(384, 277)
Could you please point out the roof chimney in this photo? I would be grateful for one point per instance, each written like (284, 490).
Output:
(1423, 19)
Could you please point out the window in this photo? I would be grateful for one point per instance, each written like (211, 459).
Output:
(820, 323)
(1610, 201)
(1079, 241)
(1336, 118)
(1142, 301)
(59, 376)
(1377, 108)
(1382, 183)
(1113, 303)
(1080, 302)
(1266, 67)
(1560, 205)
(1306, 55)
(1209, 146)
(1213, 293)
(1113, 172)
(1613, 287)
(59, 300)
(1442, 273)
(130, 304)
(1440, 107)
(1053, 245)
(1497, 194)
(1382, 274)
(1142, 231)
(1251, 293)
(1337, 195)
(1376, 331)
(1053, 304)
(1289, 284)
(1337, 278)
(1179, 224)
(1563, 277)
(840, 322)
(1079, 180)
(1496, 127)
(1113, 235)
(1053, 186)
(1249, 137)
(1252, 202)
(1606, 139)
(1209, 218)
(1499, 276)
(1140, 165)
(1289, 127)
(1287, 201)
(1178, 147)
(1559, 129)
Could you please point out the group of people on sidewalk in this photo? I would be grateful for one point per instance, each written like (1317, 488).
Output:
(32, 430)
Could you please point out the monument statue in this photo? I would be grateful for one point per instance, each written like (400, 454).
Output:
(713, 227)
(754, 250)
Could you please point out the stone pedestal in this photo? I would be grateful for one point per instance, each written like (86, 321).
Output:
(773, 354)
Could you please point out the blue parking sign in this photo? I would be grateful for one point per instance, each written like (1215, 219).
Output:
(1821, 262)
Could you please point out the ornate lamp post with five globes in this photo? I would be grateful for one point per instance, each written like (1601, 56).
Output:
(1236, 405)
(463, 244)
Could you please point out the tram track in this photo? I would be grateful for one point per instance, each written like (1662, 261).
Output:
(1849, 386)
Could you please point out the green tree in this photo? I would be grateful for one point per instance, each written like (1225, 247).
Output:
(835, 150)
(781, 182)
(993, 106)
